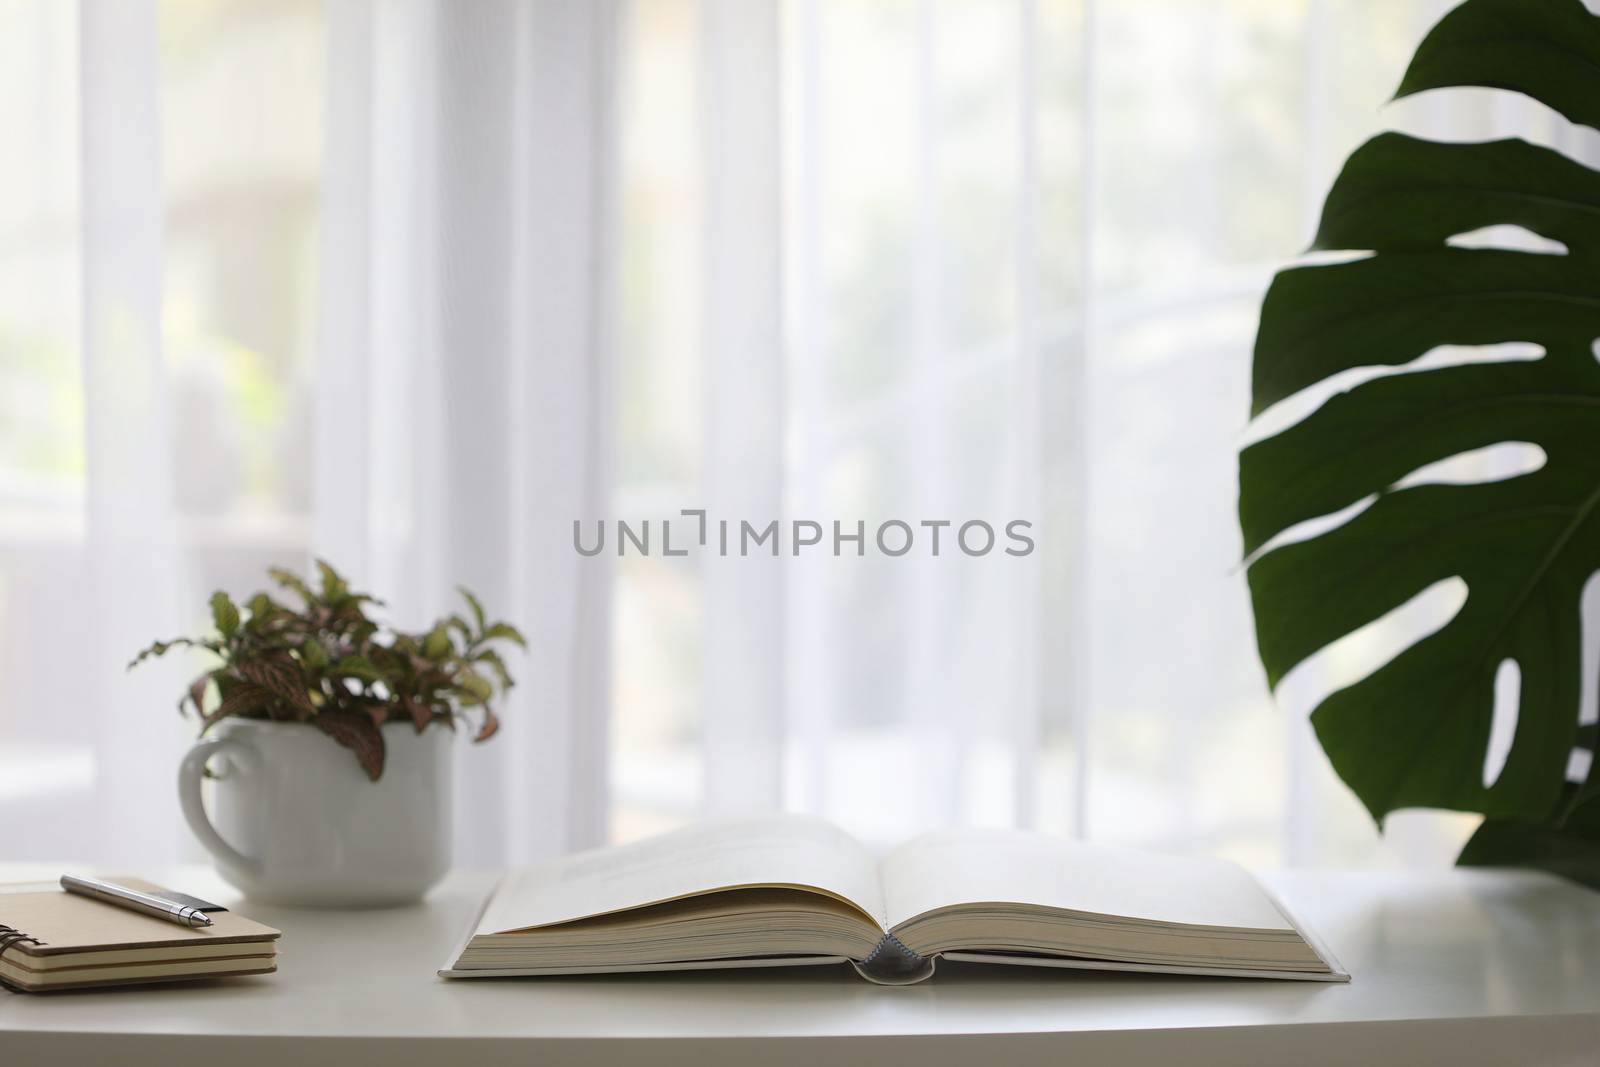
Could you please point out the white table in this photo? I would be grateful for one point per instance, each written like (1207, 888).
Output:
(1458, 966)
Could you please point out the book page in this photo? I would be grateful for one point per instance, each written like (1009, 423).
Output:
(781, 850)
(1011, 866)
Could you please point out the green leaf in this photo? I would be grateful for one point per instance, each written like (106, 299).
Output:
(161, 648)
(507, 631)
(437, 644)
(474, 685)
(472, 602)
(1414, 733)
(491, 658)
(1571, 850)
(293, 582)
(224, 614)
(334, 587)
(152, 651)
(359, 667)
(1546, 49)
(1392, 307)
(263, 609)
(313, 654)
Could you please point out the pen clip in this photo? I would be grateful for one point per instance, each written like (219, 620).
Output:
(194, 902)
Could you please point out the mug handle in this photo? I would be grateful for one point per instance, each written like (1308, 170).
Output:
(190, 772)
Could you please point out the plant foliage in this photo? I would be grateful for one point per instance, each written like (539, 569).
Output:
(1415, 732)
(325, 662)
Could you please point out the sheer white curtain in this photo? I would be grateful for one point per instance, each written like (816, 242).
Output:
(1019, 248)
(463, 397)
(857, 355)
(436, 410)
(416, 284)
(128, 506)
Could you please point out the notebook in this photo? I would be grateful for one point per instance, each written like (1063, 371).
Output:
(794, 890)
(51, 939)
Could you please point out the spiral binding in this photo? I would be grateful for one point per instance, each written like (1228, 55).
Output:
(10, 935)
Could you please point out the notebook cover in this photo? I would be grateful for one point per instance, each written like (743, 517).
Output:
(55, 921)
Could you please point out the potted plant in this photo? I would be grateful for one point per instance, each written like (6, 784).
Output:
(1416, 731)
(298, 819)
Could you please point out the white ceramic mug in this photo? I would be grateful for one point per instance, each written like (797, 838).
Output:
(297, 821)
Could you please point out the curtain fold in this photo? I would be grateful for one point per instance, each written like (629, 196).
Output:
(465, 299)
(745, 675)
(131, 549)
(565, 277)
(915, 359)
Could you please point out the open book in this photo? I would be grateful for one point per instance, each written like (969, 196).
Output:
(788, 890)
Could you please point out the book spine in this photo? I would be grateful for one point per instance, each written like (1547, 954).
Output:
(892, 963)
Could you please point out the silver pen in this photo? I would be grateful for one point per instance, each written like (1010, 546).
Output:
(136, 900)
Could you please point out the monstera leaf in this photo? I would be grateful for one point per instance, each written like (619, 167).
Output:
(1415, 732)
